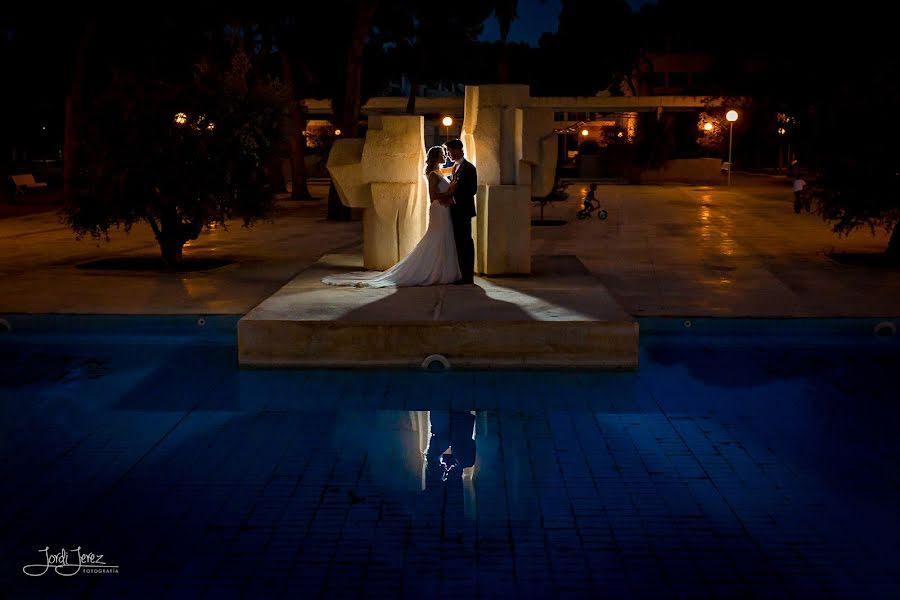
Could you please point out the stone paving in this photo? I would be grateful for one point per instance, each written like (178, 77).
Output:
(664, 251)
(39, 261)
(713, 251)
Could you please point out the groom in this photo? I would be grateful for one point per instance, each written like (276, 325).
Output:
(462, 209)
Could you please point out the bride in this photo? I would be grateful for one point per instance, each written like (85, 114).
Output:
(433, 261)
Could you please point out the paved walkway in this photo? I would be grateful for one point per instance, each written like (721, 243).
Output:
(665, 250)
(38, 258)
(710, 251)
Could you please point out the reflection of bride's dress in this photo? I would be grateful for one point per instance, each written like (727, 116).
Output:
(433, 261)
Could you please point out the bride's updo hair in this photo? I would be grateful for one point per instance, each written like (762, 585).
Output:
(434, 157)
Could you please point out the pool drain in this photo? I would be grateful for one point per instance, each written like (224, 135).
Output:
(436, 362)
(885, 329)
(201, 322)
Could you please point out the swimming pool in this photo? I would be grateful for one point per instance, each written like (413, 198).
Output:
(743, 458)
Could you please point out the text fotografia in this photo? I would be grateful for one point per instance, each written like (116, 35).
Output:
(81, 562)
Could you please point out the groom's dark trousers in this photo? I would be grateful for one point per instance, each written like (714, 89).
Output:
(461, 213)
(465, 247)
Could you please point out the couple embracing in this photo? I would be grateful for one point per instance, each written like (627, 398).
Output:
(446, 253)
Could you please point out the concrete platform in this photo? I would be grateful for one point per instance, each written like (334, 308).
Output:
(558, 317)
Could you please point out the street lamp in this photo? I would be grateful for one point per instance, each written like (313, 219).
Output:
(731, 116)
(447, 122)
(707, 126)
(584, 132)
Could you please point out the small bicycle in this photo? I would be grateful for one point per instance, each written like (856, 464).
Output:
(591, 204)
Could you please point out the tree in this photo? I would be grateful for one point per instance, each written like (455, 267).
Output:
(179, 156)
(844, 97)
(347, 97)
(609, 51)
(347, 102)
(711, 131)
(37, 57)
(74, 108)
(426, 41)
(715, 139)
(296, 131)
(506, 12)
(858, 182)
(654, 141)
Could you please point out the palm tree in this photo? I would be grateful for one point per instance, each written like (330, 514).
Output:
(74, 107)
(427, 38)
(349, 110)
(289, 46)
(506, 12)
(347, 102)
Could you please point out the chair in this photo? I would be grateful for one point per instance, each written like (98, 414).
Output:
(26, 182)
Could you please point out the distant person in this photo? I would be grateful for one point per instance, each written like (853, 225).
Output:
(799, 186)
(590, 197)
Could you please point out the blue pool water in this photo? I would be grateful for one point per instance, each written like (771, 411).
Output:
(744, 459)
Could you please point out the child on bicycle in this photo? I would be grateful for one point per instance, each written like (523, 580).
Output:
(589, 198)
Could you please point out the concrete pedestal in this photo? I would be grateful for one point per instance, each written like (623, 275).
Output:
(559, 317)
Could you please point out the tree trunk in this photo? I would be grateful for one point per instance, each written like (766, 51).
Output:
(296, 139)
(362, 24)
(171, 232)
(506, 13)
(172, 251)
(413, 93)
(348, 114)
(336, 209)
(299, 187)
(171, 244)
(503, 63)
(71, 143)
(893, 247)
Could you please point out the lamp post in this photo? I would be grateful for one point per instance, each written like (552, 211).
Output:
(781, 131)
(447, 122)
(731, 116)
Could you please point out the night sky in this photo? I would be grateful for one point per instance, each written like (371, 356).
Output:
(535, 17)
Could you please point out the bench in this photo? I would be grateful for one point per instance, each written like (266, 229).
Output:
(26, 182)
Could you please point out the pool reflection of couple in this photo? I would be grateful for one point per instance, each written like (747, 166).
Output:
(453, 431)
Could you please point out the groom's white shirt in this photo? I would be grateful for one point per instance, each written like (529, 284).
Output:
(455, 169)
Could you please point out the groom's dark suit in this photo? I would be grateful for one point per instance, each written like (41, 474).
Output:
(461, 213)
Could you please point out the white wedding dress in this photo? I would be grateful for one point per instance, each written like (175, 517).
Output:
(432, 262)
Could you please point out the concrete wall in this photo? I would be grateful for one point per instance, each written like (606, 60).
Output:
(687, 170)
